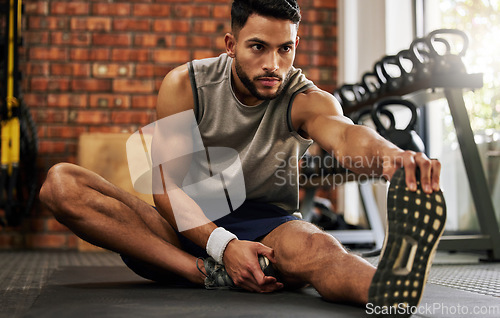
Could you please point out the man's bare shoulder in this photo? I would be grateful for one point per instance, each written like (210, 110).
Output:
(316, 99)
(175, 93)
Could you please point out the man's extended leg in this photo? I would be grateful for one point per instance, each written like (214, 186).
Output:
(109, 217)
(305, 254)
(415, 223)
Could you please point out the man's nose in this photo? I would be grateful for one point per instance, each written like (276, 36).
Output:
(271, 62)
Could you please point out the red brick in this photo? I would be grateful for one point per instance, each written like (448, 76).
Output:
(73, 69)
(36, 8)
(302, 59)
(153, 40)
(10, 240)
(130, 24)
(110, 100)
(46, 241)
(69, 8)
(317, 16)
(53, 225)
(202, 54)
(91, 85)
(321, 31)
(60, 38)
(151, 70)
(112, 129)
(51, 23)
(215, 1)
(36, 68)
(50, 116)
(46, 146)
(53, 53)
(200, 41)
(130, 55)
(147, 101)
(129, 117)
(133, 86)
(222, 12)
(49, 84)
(190, 11)
(80, 54)
(111, 9)
(220, 44)
(164, 25)
(92, 117)
(107, 70)
(67, 100)
(37, 37)
(171, 56)
(151, 10)
(40, 100)
(211, 26)
(329, 4)
(91, 24)
(65, 131)
(112, 39)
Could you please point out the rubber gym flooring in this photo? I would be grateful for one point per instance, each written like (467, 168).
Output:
(97, 284)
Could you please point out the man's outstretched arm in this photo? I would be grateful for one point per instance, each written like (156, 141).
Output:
(319, 116)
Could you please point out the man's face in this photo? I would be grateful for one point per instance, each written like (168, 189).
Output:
(263, 53)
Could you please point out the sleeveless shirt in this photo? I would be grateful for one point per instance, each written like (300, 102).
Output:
(268, 146)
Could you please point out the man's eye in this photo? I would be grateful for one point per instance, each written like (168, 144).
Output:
(287, 48)
(257, 47)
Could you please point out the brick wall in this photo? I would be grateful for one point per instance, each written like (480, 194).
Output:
(96, 66)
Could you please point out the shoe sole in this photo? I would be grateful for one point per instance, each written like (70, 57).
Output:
(416, 222)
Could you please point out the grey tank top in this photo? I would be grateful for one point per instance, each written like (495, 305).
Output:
(263, 135)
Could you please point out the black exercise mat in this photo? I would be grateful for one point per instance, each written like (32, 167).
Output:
(116, 292)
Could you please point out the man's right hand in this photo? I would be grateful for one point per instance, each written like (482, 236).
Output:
(242, 265)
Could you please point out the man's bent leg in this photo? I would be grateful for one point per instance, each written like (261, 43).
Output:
(306, 254)
(109, 217)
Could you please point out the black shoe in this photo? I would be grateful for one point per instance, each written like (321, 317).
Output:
(416, 221)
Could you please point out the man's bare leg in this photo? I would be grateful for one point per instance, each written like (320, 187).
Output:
(109, 217)
(305, 254)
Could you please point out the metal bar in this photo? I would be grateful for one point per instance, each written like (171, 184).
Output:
(371, 211)
(475, 173)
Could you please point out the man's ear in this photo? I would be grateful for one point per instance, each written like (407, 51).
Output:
(230, 41)
(297, 40)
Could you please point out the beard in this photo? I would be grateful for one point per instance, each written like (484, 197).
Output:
(252, 88)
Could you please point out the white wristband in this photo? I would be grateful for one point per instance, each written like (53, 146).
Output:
(217, 242)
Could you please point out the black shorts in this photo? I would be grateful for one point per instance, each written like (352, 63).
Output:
(250, 222)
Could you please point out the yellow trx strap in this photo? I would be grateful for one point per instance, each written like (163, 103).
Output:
(10, 125)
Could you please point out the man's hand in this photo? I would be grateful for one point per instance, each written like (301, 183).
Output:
(241, 263)
(430, 169)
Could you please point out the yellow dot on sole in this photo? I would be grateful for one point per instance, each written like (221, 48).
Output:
(436, 224)
(439, 210)
(438, 198)
(428, 205)
(418, 201)
(426, 219)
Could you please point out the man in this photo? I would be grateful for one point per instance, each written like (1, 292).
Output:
(251, 99)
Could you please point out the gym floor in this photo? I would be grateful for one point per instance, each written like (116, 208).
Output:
(27, 280)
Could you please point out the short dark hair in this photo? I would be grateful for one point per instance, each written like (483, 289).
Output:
(280, 9)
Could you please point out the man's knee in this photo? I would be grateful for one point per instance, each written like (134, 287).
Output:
(308, 246)
(58, 188)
